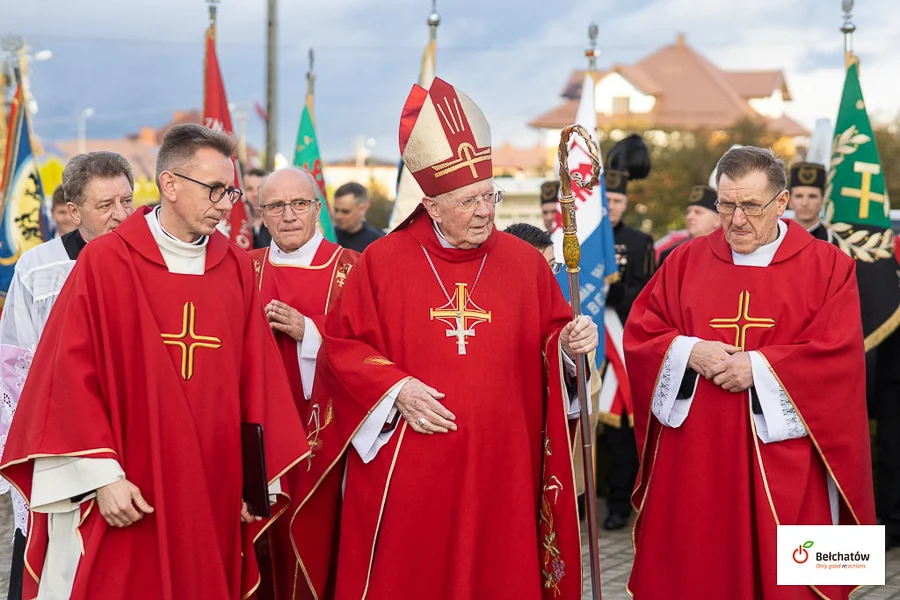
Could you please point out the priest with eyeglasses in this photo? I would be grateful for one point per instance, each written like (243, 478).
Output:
(445, 364)
(745, 355)
(127, 442)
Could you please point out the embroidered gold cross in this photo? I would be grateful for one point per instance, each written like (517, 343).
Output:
(455, 313)
(189, 341)
(742, 322)
(864, 193)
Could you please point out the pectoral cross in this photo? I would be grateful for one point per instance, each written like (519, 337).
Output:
(742, 322)
(461, 316)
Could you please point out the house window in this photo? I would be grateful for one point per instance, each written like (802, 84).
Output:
(621, 105)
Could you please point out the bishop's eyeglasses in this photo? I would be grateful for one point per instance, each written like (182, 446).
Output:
(490, 199)
(749, 210)
(216, 191)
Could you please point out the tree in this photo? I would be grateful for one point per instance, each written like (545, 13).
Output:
(887, 139)
(379, 214)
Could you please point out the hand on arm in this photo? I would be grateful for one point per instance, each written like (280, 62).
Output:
(420, 406)
(579, 336)
(122, 504)
(285, 319)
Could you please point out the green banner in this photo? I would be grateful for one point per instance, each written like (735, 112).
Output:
(307, 157)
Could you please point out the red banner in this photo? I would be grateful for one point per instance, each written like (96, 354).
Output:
(216, 116)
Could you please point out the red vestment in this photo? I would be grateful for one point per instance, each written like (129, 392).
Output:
(311, 290)
(710, 493)
(487, 511)
(157, 370)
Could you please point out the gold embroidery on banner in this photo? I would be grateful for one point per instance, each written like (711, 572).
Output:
(466, 156)
(196, 341)
(379, 361)
(743, 321)
(456, 314)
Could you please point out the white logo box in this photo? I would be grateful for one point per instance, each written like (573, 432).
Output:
(830, 555)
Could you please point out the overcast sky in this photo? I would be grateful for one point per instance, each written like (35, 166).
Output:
(136, 62)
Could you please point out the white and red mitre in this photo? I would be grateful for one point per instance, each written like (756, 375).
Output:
(445, 141)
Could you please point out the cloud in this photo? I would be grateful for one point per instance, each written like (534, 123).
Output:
(137, 62)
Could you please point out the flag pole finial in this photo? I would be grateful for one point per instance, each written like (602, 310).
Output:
(592, 53)
(310, 74)
(434, 19)
(13, 45)
(213, 5)
(847, 29)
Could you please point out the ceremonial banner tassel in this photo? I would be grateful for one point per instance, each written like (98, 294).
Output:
(572, 256)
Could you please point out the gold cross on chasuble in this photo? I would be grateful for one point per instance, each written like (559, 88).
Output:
(742, 322)
(456, 314)
(189, 341)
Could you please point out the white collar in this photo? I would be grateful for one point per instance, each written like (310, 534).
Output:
(302, 256)
(762, 256)
(814, 227)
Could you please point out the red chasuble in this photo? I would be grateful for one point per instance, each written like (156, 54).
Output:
(710, 493)
(157, 370)
(312, 290)
(487, 511)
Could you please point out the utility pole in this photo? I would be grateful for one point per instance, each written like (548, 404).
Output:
(272, 86)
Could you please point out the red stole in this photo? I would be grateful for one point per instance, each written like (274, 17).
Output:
(487, 511)
(157, 370)
(312, 291)
(710, 488)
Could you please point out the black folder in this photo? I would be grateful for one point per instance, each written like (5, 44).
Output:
(256, 485)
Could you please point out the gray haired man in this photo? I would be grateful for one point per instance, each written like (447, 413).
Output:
(98, 189)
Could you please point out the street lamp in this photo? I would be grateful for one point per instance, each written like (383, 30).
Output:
(82, 129)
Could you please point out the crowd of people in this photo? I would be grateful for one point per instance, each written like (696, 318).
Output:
(406, 405)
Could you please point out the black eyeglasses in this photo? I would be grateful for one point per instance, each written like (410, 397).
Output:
(749, 210)
(216, 192)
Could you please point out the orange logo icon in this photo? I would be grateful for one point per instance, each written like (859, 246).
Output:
(800, 555)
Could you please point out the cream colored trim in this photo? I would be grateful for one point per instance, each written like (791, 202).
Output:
(325, 474)
(309, 268)
(565, 410)
(387, 486)
(813, 438)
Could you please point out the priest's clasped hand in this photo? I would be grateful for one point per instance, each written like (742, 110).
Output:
(121, 503)
(734, 374)
(706, 355)
(286, 319)
(579, 336)
(723, 364)
(421, 407)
